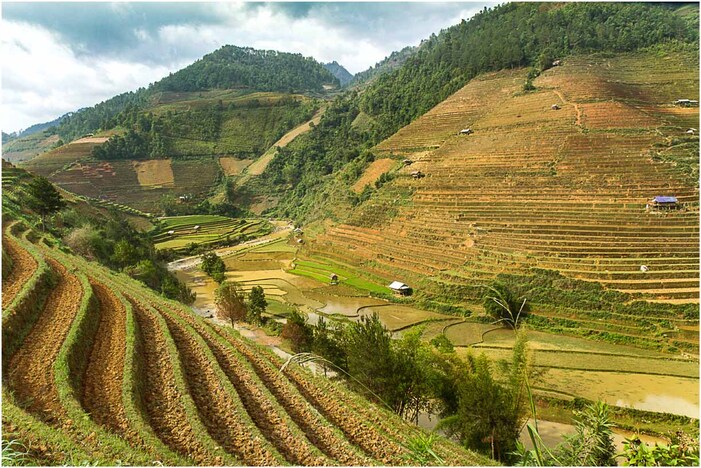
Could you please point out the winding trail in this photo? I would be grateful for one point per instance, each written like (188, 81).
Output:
(578, 120)
(31, 373)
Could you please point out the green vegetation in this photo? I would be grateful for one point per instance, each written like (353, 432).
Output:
(231, 301)
(105, 236)
(322, 272)
(213, 231)
(446, 62)
(266, 70)
(214, 266)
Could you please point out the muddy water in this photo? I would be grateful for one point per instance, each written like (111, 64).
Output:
(552, 434)
(657, 393)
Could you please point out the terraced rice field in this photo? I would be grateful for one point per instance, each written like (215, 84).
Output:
(533, 187)
(108, 372)
(212, 229)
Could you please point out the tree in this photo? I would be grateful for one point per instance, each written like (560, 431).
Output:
(298, 332)
(44, 198)
(214, 266)
(501, 303)
(230, 301)
(256, 305)
(490, 412)
(326, 343)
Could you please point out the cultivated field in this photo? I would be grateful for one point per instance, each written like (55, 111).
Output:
(155, 173)
(99, 370)
(533, 187)
(212, 230)
(373, 172)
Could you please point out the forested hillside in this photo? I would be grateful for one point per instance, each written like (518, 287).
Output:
(508, 36)
(227, 68)
(515, 35)
(395, 60)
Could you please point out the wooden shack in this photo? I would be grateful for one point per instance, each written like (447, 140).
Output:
(400, 288)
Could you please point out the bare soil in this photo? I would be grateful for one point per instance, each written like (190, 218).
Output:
(31, 374)
(154, 173)
(23, 266)
(163, 400)
(102, 385)
(218, 410)
(373, 172)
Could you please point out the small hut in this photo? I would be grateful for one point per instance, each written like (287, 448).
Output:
(418, 174)
(197, 227)
(557, 63)
(555, 107)
(407, 162)
(400, 288)
(691, 131)
(334, 278)
(466, 131)
(300, 241)
(171, 232)
(664, 203)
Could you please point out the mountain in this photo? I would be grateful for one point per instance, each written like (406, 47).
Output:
(344, 76)
(395, 60)
(235, 67)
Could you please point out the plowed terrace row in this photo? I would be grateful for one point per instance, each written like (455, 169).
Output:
(559, 189)
(104, 365)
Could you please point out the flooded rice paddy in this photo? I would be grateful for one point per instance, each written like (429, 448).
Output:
(620, 375)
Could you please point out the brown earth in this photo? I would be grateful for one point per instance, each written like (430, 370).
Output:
(297, 451)
(163, 400)
(23, 266)
(218, 410)
(31, 374)
(102, 386)
(317, 429)
(157, 172)
(234, 166)
(373, 172)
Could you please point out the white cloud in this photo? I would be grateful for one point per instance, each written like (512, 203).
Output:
(48, 72)
(42, 78)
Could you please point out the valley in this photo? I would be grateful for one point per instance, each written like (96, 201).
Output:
(482, 243)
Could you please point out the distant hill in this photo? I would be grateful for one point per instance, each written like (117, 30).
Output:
(7, 137)
(244, 67)
(337, 70)
(392, 62)
(230, 67)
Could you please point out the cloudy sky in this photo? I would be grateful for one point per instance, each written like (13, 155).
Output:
(59, 57)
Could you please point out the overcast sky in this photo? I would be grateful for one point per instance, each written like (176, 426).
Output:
(59, 57)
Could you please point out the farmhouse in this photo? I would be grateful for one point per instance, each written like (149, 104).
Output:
(664, 202)
(691, 131)
(400, 288)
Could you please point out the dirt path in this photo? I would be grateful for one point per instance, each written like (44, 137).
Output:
(163, 400)
(317, 430)
(218, 410)
(259, 166)
(578, 120)
(23, 266)
(31, 373)
(102, 385)
(191, 262)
